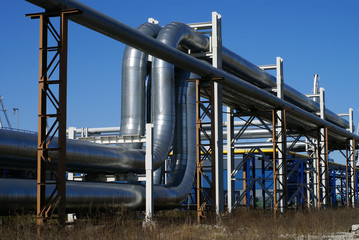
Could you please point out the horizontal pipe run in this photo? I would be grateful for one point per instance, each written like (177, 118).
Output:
(117, 30)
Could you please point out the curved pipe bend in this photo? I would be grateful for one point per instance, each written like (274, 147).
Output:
(163, 86)
(134, 73)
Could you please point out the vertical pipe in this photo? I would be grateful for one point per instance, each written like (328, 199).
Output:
(230, 159)
(149, 172)
(281, 141)
(322, 161)
(218, 118)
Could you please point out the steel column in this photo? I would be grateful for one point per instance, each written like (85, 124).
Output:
(322, 168)
(205, 149)
(323, 179)
(350, 162)
(230, 159)
(149, 172)
(350, 173)
(279, 147)
(218, 115)
(279, 161)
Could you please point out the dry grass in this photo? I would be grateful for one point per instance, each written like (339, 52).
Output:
(176, 224)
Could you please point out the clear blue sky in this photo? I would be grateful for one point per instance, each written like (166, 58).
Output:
(311, 36)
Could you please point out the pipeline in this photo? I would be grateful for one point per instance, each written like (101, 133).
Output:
(127, 159)
(134, 73)
(21, 193)
(110, 27)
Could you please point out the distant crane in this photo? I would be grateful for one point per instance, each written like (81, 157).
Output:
(3, 109)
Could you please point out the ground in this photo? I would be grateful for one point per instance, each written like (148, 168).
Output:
(182, 224)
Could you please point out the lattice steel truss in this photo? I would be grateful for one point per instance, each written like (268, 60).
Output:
(52, 115)
(279, 160)
(323, 178)
(205, 148)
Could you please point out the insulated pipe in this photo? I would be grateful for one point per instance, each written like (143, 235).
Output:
(177, 190)
(19, 150)
(163, 86)
(21, 193)
(134, 73)
(110, 27)
(180, 142)
(244, 69)
(180, 133)
(299, 146)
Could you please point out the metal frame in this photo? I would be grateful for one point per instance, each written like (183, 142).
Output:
(351, 185)
(205, 148)
(213, 111)
(56, 104)
(279, 160)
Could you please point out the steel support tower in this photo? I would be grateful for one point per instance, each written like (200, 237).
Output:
(52, 115)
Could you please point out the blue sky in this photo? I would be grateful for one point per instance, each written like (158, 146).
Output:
(311, 36)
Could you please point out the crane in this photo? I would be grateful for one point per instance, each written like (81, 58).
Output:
(3, 109)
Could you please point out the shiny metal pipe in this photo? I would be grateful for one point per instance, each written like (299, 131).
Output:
(244, 69)
(134, 73)
(119, 31)
(299, 146)
(96, 130)
(19, 150)
(180, 142)
(21, 193)
(163, 87)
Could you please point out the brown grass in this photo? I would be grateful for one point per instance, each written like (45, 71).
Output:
(177, 224)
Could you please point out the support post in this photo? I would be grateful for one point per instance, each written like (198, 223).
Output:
(218, 115)
(149, 173)
(322, 166)
(279, 147)
(230, 159)
(350, 168)
(52, 112)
